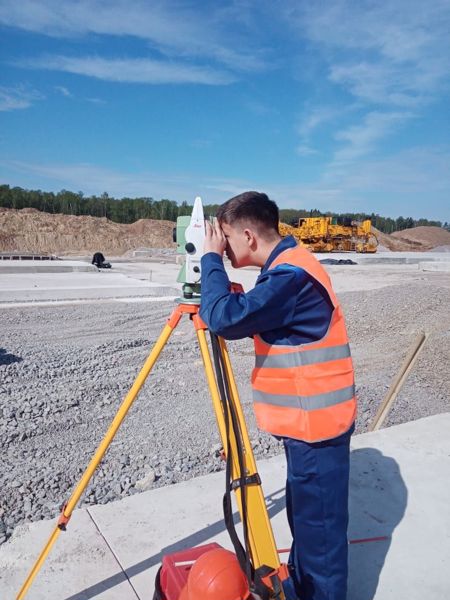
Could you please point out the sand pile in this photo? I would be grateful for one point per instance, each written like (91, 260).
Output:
(417, 238)
(426, 237)
(29, 230)
(386, 241)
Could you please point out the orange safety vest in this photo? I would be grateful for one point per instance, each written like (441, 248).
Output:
(307, 391)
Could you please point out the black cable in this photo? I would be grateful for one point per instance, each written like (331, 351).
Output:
(254, 576)
(243, 554)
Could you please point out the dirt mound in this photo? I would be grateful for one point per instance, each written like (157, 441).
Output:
(393, 244)
(29, 230)
(29, 211)
(428, 237)
(418, 238)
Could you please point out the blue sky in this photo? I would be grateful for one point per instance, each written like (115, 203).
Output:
(338, 105)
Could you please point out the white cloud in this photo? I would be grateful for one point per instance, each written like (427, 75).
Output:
(414, 183)
(304, 150)
(19, 97)
(96, 100)
(68, 94)
(391, 57)
(261, 109)
(309, 121)
(411, 174)
(63, 90)
(171, 28)
(361, 139)
(379, 84)
(314, 118)
(381, 52)
(96, 180)
(400, 31)
(131, 70)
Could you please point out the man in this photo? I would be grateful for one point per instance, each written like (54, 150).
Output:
(303, 386)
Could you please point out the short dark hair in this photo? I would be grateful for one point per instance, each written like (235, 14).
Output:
(251, 207)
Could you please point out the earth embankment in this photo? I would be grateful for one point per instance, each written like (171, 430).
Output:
(30, 230)
(418, 239)
(427, 237)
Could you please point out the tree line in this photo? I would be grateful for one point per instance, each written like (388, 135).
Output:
(129, 210)
(123, 210)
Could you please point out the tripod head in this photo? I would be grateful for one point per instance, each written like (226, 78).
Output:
(189, 235)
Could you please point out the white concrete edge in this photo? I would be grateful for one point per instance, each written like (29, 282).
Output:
(128, 299)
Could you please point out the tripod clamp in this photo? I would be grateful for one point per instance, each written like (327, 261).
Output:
(63, 519)
(254, 479)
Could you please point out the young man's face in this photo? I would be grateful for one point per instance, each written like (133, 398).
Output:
(238, 248)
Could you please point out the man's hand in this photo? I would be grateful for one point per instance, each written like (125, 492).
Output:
(215, 240)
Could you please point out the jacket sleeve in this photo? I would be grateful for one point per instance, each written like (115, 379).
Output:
(269, 305)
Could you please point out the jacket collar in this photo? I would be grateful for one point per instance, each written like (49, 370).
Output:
(284, 244)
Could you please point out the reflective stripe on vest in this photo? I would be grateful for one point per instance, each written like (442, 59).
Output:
(306, 402)
(302, 357)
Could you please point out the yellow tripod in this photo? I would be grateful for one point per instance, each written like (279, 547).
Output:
(262, 548)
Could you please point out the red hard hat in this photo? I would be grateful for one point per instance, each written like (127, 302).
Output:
(216, 575)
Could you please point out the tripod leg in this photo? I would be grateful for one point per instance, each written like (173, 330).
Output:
(117, 421)
(262, 542)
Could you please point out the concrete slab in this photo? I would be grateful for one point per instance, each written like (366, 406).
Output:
(346, 278)
(388, 257)
(34, 287)
(79, 560)
(400, 486)
(440, 265)
(399, 490)
(141, 279)
(46, 266)
(179, 517)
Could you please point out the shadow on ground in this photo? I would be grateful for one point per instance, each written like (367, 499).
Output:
(8, 359)
(377, 505)
(378, 502)
(275, 504)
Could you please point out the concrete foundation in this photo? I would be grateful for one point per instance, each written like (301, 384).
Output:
(399, 491)
(46, 266)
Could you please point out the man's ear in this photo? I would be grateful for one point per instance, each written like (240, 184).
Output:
(250, 237)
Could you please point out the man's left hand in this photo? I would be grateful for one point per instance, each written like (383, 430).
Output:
(215, 240)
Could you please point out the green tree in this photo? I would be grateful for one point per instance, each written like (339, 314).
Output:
(185, 209)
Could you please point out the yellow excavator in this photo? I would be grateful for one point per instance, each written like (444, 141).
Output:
(332, 234)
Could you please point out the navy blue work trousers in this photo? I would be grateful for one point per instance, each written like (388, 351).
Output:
(317, 510)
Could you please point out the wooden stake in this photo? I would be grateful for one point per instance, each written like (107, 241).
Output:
(399, 380)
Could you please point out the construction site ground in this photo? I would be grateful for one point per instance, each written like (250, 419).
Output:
(73, 342)
(398, 492)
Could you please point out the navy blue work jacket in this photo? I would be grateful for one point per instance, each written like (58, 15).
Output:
(287, 306)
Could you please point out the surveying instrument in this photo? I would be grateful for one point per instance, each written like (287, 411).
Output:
(254, 570)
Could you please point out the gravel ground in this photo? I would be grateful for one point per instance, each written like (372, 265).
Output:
(64, 371)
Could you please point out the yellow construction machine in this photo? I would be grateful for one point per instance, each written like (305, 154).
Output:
(332, 234)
